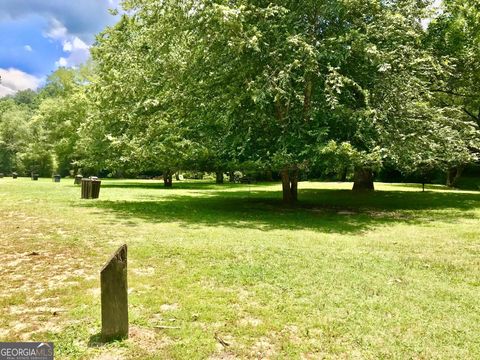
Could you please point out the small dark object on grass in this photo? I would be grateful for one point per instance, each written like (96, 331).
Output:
(35, 177)
(33, 253)
(221, 341)
(56, 178)
(91, 188)
(14, 175)
(78, 179)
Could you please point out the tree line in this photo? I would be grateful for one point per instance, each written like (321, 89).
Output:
(345, 86)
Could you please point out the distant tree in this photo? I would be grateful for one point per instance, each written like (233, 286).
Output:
(454, 36)
(26, 97)
(14, 134)
(62, 109)
(23, 145)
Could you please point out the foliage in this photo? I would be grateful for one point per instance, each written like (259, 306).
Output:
(454, 37)
(38, 131)
(216, 85)
(61, 112)
(14, 134)
(255, 85)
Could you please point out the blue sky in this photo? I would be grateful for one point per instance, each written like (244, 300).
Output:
(38, 36)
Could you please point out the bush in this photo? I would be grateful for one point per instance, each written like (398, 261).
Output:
(38, 161)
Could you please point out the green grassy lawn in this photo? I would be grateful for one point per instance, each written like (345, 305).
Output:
(394, 274)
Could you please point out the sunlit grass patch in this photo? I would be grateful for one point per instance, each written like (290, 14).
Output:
(229, 272)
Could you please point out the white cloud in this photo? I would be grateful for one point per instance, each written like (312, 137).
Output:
(79, 44)
(13, 80)
(83, 18)
(74, 45)
(28, 48)
(5, 91)
(78, 51)
(67, 46)
(61, 62)
(56, 31)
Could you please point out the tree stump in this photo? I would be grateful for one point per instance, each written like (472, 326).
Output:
(113, 279)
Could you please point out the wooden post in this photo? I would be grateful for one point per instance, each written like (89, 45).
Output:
(113, 278)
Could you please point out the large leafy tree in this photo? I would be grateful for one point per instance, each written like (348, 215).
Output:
(267, 83)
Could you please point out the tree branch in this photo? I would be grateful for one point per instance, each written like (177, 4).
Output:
(451, 93)
(476, 118)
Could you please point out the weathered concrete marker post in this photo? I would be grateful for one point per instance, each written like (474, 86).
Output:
(113, 279)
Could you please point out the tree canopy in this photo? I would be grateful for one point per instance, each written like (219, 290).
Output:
(282, 86)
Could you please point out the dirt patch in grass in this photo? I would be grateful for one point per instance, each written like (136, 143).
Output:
(148, 339)
(169, 307)
(223, 356)
(249, 321)
(36, 273)
(264, 348)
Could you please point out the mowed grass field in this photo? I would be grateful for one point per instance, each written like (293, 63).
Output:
(226, 271)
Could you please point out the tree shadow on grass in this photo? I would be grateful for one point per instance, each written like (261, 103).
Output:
(330, 211)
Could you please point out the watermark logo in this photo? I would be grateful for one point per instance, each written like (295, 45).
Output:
(26, 351)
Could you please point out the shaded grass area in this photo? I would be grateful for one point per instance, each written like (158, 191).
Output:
(469, 183)
(327, 210)
(393, 274)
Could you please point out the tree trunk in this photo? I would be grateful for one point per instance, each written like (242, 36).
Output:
(343, 176)
(290, 186)
(231, 176)
(177, 176)
(167, 179)
(219, 177)
(363, 180)
(453, 175)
